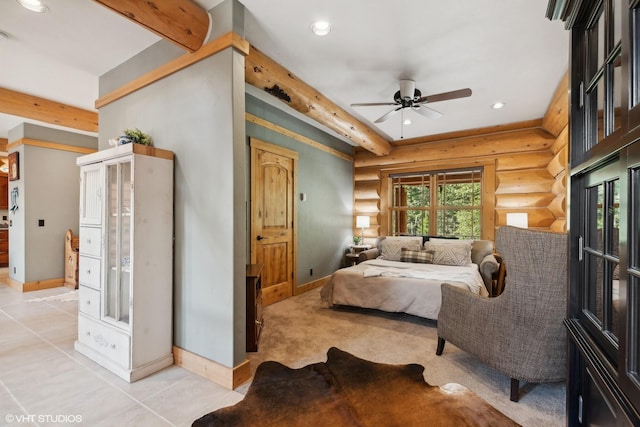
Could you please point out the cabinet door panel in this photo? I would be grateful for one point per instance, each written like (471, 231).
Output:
(91, 189)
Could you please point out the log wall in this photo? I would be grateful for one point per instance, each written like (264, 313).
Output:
(525, 167)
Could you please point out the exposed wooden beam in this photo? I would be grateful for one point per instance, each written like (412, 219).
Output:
(182, 22)
(264, 73)
(477, 146)
(44, 110)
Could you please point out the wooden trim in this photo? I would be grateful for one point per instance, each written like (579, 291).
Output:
(261, 145)
(48, 111)
(35, 286)
(297, 290)
(480, 146)
(227, 377)
(51, 145)
(298, 137)
(468, 133)
(230, 39)
(181, 22)
(3, 144)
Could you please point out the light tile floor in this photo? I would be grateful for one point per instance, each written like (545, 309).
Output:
(45, 382)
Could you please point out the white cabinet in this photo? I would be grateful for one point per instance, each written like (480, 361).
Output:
(126, 259)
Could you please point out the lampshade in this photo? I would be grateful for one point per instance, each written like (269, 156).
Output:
(518, 219)
(362, 221)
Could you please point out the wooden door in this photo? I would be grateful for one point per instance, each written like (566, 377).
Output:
(273, 173)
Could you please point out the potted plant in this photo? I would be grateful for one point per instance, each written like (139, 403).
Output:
(356, 240)
(136, 136)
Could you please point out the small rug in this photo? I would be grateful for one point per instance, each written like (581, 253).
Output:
(67, 296)
(349, 391)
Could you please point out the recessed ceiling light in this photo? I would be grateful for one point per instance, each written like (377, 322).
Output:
(498, 105)
(33, 5)
(406, 122)
(321, 28)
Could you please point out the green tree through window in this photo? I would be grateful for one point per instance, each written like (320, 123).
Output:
(437, 203)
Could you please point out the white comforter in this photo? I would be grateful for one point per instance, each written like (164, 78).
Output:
(399, 286)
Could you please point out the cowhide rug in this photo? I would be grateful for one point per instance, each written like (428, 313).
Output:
(348, 391)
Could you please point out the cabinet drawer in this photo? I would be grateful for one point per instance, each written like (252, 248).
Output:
(89, 272)
(90, 241)
(107, 341)
(89, 301)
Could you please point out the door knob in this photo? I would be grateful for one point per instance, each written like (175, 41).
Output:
(260, 238)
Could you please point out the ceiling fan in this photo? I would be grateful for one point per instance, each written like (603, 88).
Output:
(410, 97)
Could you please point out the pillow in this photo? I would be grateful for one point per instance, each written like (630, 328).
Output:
(450, 254)
(421, 256)
(390, 247)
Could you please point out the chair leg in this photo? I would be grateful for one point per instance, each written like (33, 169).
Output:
(515, 390)
(440, 347)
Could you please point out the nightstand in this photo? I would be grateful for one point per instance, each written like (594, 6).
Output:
(353, 254)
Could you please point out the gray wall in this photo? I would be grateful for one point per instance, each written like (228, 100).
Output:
(325, 219)
(49, 189)
(198, 113)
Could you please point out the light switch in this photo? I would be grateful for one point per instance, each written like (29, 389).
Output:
(41, 223)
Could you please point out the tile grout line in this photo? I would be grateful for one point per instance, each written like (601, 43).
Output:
(15, 399)
(87, 368)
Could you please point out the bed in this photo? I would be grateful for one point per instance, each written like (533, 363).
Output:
(404, 275)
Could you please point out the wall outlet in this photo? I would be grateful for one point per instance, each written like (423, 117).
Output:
(41, 223)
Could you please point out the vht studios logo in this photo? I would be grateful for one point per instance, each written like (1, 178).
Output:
(43, 418)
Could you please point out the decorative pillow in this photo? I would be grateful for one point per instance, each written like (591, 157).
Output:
(390, 247)
(450, 254)
(422, 256)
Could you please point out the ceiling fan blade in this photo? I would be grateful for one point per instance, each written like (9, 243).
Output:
(455, 94)
(371, 104)
(427, 112)
(386, 116)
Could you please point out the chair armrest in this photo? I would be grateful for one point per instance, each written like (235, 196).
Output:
(368, 254)
(465, 318)
(488, 266)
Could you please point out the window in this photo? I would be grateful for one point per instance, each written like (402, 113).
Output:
(437, 203)
(603, 92)
(601, 303)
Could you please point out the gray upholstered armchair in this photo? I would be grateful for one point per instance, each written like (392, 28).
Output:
(520, 332)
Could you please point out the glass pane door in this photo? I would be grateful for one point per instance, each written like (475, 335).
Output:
(119, 207)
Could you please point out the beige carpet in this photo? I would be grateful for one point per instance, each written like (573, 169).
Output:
(299, 331)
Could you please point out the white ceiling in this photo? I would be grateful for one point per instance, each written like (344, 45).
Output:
(504, 50)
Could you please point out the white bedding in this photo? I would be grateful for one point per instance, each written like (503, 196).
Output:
(395, 286)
